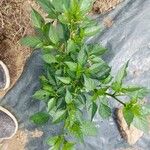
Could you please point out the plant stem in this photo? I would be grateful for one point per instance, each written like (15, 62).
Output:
(113, 96)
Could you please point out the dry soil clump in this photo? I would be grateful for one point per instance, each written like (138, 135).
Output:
(103, 6)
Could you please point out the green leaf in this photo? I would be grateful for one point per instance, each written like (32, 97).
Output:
(99, 92)
(63, 19)
(59, 116)
(88, 128)
(52, 140)
(40, 118)
(41, 95)
(72, 66)
(141, 122)
(130, 89)
(31, 41)
(122, 73)
(50, 77)
(104, 73)
(59, 4)
(82, 56)
(53, 34)
(68, 97)
(43, 80)
(55, 142)
(79, 71)
(86, 5)
(68, 146)
(107, 80)
(99, 70)
(65, 80)
(71, 46)
(135, 92)
(37, 19)
(96, 59)
(90, 31)
(95, 68)
(56, 33)
(60, 31)
(74, 9)
(48, 7)
(128, 115)
(131, 110)
(48, 88)
(48, 58)
(51, 104)
(90, 84)
(80, 101)
(97, 49)
(104, 111)
(102, 91)
(75, 129)
(146, 109)
(93, 110)
(116, 86)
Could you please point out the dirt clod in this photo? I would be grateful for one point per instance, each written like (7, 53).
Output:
(104, 6)
(132, 134)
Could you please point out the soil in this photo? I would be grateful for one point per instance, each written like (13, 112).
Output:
(19, 141)
(104, 6)
(15, 23)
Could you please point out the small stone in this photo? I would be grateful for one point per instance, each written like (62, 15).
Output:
(130, 134)
(108, 22)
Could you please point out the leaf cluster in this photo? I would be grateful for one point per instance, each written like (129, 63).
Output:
(76, 78)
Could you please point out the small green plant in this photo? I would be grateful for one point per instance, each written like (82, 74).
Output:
(76, 79)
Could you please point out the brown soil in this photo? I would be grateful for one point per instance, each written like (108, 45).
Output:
(19, 141)
(103, 6)
(14, 24)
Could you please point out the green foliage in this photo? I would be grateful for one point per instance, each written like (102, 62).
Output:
(37, 19)
(41, 95)
(65, 80)
(76, 78)
(31, 41)
(104, 110)
(88, 128)
(68, 146)
(93, 110)
(136, 114)
(59, 116)
(40, 118)
(117, 84)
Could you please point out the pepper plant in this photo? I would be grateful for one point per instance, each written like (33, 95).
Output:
(76, 79)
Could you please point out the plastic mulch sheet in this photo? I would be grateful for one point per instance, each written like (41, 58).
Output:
(128, 38)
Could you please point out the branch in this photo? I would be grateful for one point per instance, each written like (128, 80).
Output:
(113, 96)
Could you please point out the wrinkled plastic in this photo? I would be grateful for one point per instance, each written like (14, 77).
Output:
(128, 38)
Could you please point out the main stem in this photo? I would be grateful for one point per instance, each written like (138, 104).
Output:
(113, 96)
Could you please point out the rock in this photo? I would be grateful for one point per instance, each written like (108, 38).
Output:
(130, 134)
